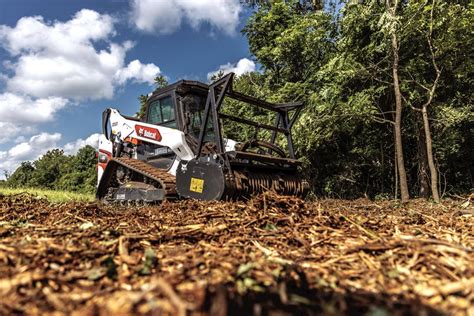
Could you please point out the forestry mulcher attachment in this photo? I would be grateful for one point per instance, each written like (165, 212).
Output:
(179, 150)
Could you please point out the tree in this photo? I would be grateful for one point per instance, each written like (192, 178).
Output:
(391, 8)
(82, 173)
(433, 45)
(430, 92)
(22, 176)
(216, 76)
(289, 43)
(56, 171)
(142, 99)
(436, 78)
(451, 114)
(295, 49)
(307, 5)
(342, 66)
(160, 81)
(49, 169)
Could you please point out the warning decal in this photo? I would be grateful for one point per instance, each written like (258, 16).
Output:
(197, 185)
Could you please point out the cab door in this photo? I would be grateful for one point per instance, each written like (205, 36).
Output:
(162, 112)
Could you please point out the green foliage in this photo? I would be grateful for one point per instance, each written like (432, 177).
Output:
(340, 63)
(216, 76)
(82, 176)
(48, 169)
(251, 84)
(56, 171)
(160, 81)
(22, 175)
(142, 99)
(288, 42)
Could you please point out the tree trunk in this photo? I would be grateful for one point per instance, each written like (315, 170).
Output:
(423, 165)
(396, 172)
(427, 149)
(424, 112)
(429, 152)
(398, 122)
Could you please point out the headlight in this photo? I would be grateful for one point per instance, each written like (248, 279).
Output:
(103, 158)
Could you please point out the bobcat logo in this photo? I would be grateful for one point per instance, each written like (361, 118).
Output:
(148, 132)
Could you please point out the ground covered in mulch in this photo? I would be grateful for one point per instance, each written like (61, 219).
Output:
(271, 255)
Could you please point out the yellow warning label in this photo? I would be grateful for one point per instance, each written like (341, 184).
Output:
(197, 185)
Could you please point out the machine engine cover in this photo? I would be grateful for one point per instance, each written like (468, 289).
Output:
(201, 179)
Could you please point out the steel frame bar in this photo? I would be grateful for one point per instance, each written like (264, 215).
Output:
(223, 88)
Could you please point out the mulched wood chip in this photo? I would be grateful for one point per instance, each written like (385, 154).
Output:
(271, 255)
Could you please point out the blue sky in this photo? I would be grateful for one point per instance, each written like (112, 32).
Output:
(63, 62)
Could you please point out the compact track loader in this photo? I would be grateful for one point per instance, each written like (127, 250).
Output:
(179, 150)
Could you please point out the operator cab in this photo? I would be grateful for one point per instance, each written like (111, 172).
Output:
(177, 106)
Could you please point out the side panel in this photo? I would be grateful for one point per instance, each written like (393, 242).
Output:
(154, 134)
(105, 154)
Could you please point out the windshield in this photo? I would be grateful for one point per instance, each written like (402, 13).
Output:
(161, 112)
(194, 108)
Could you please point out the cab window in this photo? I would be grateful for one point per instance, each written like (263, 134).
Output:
(161, 112)
(194, 108)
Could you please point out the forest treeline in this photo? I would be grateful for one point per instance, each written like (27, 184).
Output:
(58, 171)
(387, 87)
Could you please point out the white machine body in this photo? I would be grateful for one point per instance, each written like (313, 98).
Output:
(129, 130)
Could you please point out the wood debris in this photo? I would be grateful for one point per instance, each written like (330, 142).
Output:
(271, 255)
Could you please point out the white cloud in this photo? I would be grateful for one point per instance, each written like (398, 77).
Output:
(166, 16)
(10, 131)
(20, 109)
(53, 64)
(243, 66)
(162, 16)
(19, 114)
(28, 150)
(73, 147)
(60, 59)
(32, 149)
(136, 71)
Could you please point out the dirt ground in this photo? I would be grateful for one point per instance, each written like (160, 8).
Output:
(271, 255)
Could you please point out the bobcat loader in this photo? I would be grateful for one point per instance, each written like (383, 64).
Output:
(179, 150)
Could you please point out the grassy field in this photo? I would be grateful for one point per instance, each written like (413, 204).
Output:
(51, 195)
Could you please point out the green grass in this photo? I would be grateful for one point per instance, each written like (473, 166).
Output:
(55, 196)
